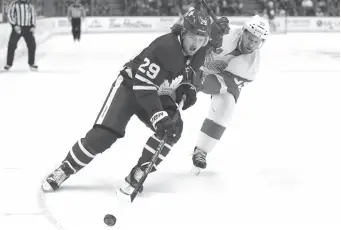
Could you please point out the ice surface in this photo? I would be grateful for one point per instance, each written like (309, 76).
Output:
(277, 166)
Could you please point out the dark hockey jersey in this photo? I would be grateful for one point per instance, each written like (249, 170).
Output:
(160, 68)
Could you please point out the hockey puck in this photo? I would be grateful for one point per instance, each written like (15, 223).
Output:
(110, 220)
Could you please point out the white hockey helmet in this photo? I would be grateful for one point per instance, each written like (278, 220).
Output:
(258, 26)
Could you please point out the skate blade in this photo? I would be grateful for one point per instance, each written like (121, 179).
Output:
(46, 187)
(196, 171)
(123, 197)
(33, 69)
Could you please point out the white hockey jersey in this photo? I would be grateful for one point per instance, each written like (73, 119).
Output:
(226, 59)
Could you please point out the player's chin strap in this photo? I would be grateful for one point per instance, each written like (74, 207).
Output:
(156, 154)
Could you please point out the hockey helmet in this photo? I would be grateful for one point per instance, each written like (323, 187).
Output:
(258, 26)
(197, 22)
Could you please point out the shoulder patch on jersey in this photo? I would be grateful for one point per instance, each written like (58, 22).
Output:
(167, 87)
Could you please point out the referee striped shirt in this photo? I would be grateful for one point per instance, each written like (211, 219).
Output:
(76, 11)
(21, 14)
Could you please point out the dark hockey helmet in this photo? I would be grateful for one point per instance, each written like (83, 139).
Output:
(198, 22)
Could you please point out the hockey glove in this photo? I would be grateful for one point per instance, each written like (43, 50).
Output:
(219, 28)
(162, 123)
(191, 94)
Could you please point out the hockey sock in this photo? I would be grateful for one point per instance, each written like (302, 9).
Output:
(209, 135)
(150, 149)
(79, 156)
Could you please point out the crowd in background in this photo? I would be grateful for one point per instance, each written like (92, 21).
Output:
(37, 3)
(235, 7)
(270, 8)
(174, 7)
(300, 7)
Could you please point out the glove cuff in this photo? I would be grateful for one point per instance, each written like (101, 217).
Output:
(189, 84)
(158, 116)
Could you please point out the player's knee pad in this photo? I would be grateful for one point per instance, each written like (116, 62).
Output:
(99, 139)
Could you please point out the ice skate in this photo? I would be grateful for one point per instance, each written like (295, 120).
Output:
(7, 67)
(131, 181)
(33, 67)
(57, 177)
(199, 161)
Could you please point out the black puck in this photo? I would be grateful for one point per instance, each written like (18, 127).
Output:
(110, 220)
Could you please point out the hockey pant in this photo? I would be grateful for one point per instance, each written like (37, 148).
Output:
(30, 42)
(76, 28)
(119, 106)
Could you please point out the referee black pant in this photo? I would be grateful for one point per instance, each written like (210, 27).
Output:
(30, 42)
(76, 28)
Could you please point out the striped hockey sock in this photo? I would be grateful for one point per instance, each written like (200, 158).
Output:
(150, 149)
(79, 156)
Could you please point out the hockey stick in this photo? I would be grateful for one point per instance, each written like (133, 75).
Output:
(209, 11)
(156, 155)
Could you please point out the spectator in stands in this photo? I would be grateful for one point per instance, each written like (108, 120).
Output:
(270, 13)
(308, 8)
(233, 7)
(224, 7)
(186, 5)
(262, 5)
(321, 8)
(130, 7)
(240, 7)
(291, 8)
(333, 7)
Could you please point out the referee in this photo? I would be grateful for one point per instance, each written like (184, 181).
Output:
(22, 16)
(76, 13)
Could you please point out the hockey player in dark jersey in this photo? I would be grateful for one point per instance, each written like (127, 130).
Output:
(149, 86)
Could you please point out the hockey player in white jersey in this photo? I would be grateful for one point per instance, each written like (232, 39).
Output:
(226, 71)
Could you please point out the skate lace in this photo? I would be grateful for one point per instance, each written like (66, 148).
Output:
(127, 188)
(138, 174)
(59, 176)
(200, 156)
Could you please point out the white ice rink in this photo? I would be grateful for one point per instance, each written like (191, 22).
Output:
(278, 166)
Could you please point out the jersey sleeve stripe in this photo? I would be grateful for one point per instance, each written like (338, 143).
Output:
(140, 78)
(142, 87)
